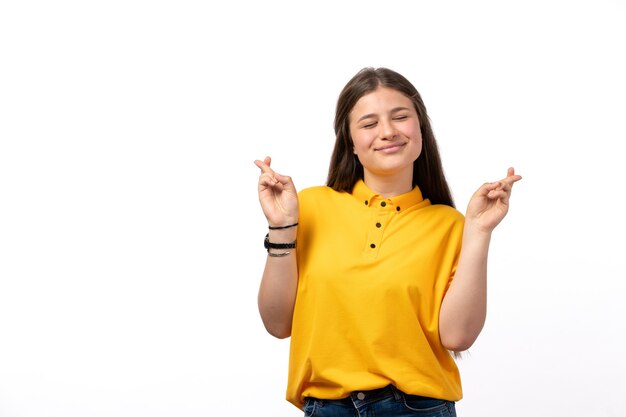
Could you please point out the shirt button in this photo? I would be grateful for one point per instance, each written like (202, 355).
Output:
(398, 208)
(360, 396)
(383, 204)
(372, 246)
(378, 225)
(366, 202)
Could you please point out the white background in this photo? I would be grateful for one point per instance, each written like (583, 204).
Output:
(130, 230)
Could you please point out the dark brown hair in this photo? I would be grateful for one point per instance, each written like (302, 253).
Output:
(346, 169)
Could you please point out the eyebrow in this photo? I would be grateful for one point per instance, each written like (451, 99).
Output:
(369, 115)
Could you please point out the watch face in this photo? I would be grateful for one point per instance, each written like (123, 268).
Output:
(266, 242)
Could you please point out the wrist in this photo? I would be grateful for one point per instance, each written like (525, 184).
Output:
(285, 232)
(283, 235)
(475, 238)
(272, 246)
(477, 230)
(286, 226)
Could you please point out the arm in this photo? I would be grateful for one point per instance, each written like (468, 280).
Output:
(464, 306)
(277, 292)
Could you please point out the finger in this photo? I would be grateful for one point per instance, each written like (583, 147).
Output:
(494, 190)
(505, 184)
(502, 189)
(499, 190)
(286, 181)
(490, 186)
(509, 181)
(267, 180)
(499, 194)
(264, 165)
(511, 178)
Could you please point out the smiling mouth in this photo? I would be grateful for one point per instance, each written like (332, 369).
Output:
(390, 147)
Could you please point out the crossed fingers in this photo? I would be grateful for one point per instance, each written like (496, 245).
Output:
(502, 189)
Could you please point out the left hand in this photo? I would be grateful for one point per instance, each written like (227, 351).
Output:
(490, 203)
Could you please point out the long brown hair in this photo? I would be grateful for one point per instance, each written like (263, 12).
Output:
(346, 169)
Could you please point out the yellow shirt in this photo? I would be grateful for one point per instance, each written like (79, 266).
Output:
(372, 275)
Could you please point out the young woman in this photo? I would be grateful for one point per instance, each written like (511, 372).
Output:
(376, 276)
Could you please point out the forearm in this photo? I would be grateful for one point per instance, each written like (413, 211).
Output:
(464, 307)
(277, 292)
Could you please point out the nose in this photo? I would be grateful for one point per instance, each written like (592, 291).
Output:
(387, 130)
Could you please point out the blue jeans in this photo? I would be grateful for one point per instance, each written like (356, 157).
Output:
(384, 402)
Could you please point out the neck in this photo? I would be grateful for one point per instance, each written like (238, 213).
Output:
(389, 186)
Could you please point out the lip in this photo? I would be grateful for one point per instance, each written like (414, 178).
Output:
(390, 148)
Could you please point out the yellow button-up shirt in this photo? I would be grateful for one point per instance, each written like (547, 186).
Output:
(372, 273)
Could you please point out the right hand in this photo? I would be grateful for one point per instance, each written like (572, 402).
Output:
(277, 195)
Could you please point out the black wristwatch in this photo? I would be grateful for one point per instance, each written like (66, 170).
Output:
(269, 245)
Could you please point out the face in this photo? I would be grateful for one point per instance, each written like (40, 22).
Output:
(385, 130)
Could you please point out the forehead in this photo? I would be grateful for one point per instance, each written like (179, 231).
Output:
(381, 100)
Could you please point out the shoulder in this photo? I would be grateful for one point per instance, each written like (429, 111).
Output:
(445, 214)
(318, 192)
(444, 224)
(321, 200)
(316, 189)
(446, 211)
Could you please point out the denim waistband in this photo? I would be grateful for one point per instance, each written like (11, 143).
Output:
(384, 401)
(369, 396)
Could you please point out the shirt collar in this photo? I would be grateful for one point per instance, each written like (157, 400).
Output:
(401, 202)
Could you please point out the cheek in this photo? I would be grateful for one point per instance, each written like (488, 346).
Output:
(415, 132)
(360, 147)
(361, 141)
(418, 146)
(356, 143)
(418, 142)
(416, 135)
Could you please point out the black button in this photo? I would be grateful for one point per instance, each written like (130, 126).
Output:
(372, 246)
(398, 208)
(378, 224)
(366, 202)
(383, 204)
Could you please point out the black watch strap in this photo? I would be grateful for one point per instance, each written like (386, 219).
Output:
(269, 245)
